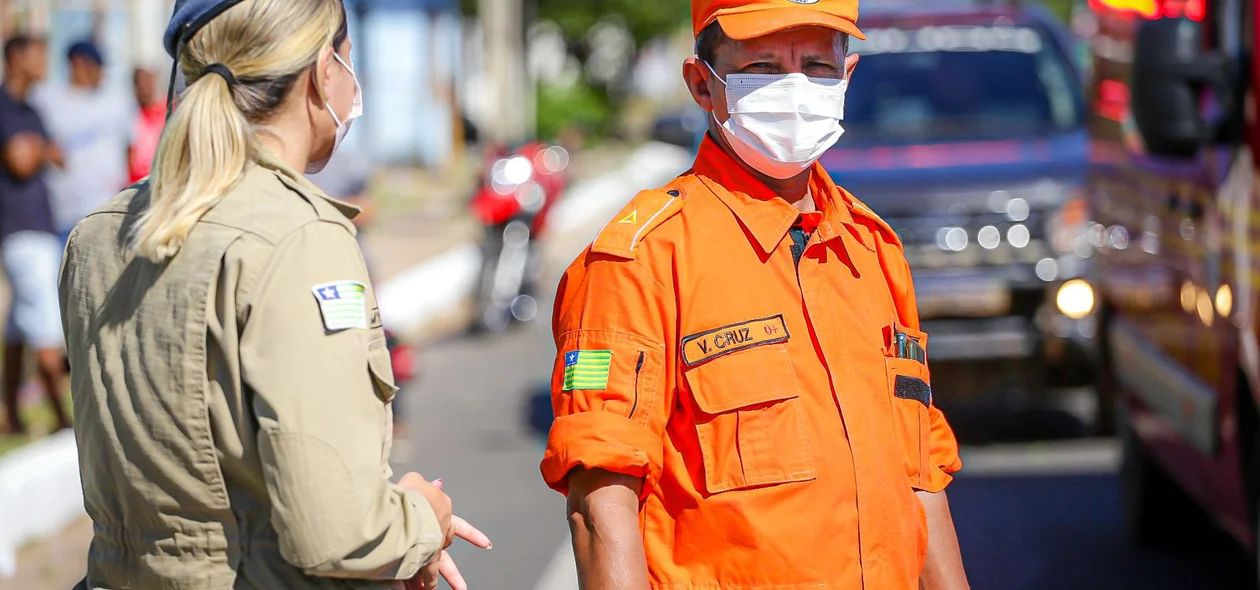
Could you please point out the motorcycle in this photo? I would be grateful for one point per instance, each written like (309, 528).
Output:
(516, 193)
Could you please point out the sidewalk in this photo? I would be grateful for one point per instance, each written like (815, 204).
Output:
(56, 562)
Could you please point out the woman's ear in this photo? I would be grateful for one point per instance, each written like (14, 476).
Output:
(321, 73)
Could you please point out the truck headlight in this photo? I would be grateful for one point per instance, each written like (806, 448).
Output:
(1075, 299)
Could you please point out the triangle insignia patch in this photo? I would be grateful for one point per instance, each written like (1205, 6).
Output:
(633, 217)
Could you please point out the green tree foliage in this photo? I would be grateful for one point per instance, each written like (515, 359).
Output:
(593, 106)
(644, 18)
(1061, 8)
(590, 105)
(581, 107)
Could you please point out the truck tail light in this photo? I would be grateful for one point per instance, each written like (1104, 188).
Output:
(1145, 8)
(1192, 9)
(1154, 9)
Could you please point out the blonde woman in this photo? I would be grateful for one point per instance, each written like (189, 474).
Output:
(230, 377)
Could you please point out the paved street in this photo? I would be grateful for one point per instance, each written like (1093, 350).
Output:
(470, 429)
(1030, 516)
(1065, 532)
(1041, 516)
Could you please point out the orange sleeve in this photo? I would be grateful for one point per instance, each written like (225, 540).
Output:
(610, 387)
(943, 460)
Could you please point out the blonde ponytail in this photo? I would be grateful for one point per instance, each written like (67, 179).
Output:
(201, 156)
(211, 136)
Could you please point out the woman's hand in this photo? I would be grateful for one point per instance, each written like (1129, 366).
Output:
(443, 566)
(438, 501)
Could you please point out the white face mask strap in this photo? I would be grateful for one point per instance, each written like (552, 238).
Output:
(714, 72)
(333, 112)
(327, 104)
(337, 56)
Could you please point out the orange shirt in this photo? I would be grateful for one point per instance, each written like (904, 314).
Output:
(780, 436)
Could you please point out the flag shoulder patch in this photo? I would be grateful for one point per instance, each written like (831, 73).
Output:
(586, 369)
(342, 305)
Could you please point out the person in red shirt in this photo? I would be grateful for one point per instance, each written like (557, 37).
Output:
(148, 126)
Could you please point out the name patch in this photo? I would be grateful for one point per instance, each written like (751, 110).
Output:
(706, 346)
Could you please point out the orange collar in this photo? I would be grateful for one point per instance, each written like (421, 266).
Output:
(767, 216)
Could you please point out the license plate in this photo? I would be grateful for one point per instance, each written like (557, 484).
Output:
(959, 295)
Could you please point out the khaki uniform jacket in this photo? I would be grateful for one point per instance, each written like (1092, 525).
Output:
(226, 438)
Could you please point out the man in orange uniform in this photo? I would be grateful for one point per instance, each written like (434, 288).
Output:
(741, 391)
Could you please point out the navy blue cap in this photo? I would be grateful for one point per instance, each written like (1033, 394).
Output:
(87, 50)
(189, 17)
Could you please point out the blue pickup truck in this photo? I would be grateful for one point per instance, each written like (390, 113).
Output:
(965, 131)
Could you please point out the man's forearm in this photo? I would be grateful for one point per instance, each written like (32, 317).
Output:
(604, 520)
(943, 568)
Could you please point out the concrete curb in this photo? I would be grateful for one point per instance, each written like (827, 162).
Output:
(434, 287)
(40, 494)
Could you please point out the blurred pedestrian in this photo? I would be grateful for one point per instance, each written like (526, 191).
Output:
(230, 370)
(91, 123)
(347, 177)
(742, 390)
(147, 129)
(28, 245)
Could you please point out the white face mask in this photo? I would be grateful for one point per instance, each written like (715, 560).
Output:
(780, 124)
(343, 127)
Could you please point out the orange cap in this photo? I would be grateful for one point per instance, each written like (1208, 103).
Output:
(745, 19)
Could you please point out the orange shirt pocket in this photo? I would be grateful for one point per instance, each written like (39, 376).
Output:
(910, 393)
(749, 420)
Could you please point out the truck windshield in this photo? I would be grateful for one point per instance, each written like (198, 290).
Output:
(948, 84)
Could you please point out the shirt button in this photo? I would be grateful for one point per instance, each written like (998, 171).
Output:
(674, 193)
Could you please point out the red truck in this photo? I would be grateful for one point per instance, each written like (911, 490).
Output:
(1175, 154)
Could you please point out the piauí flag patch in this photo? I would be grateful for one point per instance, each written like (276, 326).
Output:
(587, 369)
(343, 305)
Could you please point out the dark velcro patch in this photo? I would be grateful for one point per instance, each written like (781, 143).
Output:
(913, 388)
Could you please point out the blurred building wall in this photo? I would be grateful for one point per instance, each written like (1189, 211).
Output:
(503, 88)
(410, 56)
